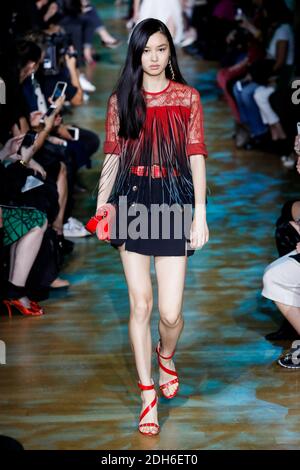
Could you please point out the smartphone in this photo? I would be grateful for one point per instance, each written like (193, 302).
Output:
(48, 113)
(59, 90)
(298, 128)
(74, 131)
(28, 141)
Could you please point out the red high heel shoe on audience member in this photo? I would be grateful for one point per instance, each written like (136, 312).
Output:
(146, 411)
(168, 371)
(35, 306)
(34, 310)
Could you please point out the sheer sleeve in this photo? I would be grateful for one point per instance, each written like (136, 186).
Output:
(195, 137)
(112, 142)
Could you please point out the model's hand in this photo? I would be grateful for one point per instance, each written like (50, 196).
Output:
(111, 212)
(298, 247)
(199, 234)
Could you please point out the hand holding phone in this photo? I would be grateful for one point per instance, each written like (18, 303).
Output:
(49, 113)
(59, 90)
(27, 141)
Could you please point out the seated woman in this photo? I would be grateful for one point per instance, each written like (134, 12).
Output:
(248, 92)
(281, 51)
(287, 236)
(248, 30)
(22, 230)
(281, 283)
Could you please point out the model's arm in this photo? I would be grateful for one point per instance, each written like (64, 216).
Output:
(112, 150)
(107, 178)
(199, 229)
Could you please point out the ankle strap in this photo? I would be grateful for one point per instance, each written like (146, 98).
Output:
(163, 357)
(145, 387)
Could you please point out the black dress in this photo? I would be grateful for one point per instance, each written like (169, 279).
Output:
(153, 191)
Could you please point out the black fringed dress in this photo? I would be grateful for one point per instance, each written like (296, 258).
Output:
(153, 191)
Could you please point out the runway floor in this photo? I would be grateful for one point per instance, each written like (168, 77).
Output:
(70, 380)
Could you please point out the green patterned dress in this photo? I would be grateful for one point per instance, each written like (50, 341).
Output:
(18, 221)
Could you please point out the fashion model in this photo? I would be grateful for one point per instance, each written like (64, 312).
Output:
(154, 158)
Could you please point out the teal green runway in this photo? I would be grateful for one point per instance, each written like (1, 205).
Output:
(70, 380)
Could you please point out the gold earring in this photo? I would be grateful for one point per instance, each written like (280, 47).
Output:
(171, 70)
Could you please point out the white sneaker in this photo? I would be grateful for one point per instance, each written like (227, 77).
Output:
(85, 84)
(75, 222)
(74, 228)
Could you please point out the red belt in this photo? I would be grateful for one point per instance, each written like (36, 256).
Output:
(156, 171)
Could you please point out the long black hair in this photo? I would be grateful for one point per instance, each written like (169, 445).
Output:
(131, 103)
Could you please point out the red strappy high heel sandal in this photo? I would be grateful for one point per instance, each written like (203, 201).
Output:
(36, 307)
(32, 311)
(146, 411)
(169, 371)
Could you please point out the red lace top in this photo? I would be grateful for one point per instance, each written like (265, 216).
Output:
(175, 101)
(173, 131)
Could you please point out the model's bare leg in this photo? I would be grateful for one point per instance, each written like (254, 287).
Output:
(292, 314)
(138, 278)
(170, 273)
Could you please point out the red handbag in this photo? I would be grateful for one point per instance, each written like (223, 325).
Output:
(102, 223)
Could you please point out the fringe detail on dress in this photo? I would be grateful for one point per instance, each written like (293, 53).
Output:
(161, 143)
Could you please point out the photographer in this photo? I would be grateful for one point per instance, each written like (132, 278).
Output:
(60, 64)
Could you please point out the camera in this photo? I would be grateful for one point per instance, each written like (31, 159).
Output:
(57, 46)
